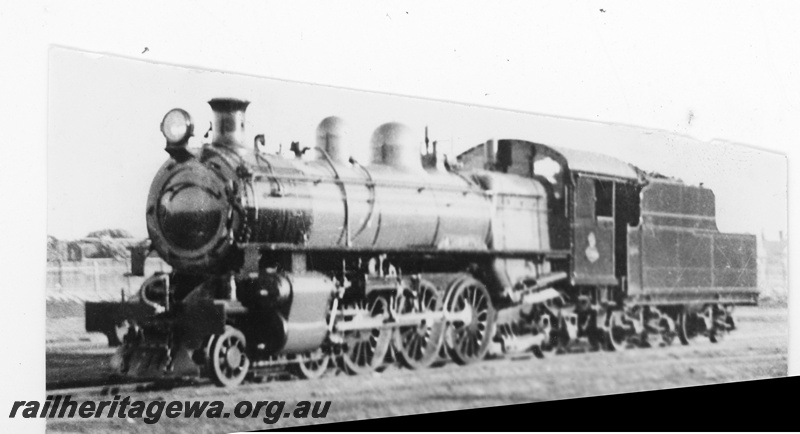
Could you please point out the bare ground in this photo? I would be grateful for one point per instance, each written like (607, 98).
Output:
(757, 350)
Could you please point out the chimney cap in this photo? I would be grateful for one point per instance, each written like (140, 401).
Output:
(228, 125)
(228, 104)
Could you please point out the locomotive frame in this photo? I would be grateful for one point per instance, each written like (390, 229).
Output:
(514, 247)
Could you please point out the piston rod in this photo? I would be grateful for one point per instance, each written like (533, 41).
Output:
(384, 321)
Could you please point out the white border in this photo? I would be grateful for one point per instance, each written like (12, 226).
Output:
(453, 47)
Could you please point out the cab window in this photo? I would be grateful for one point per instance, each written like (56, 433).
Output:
(550, 170)
(604, 198)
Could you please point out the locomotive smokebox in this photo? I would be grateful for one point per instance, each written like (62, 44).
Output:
(228, 126)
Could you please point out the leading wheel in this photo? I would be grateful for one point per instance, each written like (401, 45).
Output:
(469, 334)
(418, 346)
(228, 358)
(365, 350)
(311, 365)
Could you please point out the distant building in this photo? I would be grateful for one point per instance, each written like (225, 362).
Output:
(56, 250)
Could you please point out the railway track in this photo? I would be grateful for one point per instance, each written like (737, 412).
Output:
(570, 362)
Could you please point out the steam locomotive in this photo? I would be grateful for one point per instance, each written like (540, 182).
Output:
(299, 263)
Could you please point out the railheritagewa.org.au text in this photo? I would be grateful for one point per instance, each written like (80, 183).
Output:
(58, 406)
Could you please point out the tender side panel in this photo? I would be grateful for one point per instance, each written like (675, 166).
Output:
(678, 205)
(735, 261)
(675, 256)
(676, 259)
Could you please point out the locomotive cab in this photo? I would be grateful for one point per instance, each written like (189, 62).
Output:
(592, 199)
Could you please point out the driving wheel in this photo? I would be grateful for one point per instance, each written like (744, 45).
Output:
(365, 350)
(311, 365)
(469, 335)
(417, 346)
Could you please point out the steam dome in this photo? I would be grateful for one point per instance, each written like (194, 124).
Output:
(394, 144)
(333, 136)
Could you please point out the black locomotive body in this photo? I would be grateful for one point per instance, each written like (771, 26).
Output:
(295, 262)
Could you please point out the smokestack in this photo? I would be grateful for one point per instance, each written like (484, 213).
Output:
(228, 127)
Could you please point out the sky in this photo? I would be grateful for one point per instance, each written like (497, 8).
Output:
(104, 144)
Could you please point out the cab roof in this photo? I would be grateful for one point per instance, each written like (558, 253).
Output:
(573, 160)
(594, 163)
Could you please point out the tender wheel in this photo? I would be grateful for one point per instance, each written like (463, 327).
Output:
(228, 358)
(687, 326)
(616, 332)
(312, 365)
(418, 346)
(365, 350)
(597, 338)
(720, 323)
(730, 322)
(668, 331)
(658, 328)
(468, 337)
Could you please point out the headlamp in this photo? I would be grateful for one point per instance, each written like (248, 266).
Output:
(177, 126)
